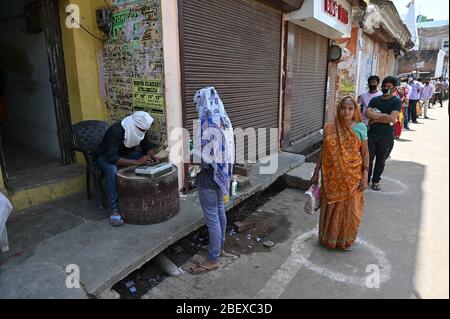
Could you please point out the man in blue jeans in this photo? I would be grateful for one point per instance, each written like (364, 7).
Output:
(215, 152)
(118, 149)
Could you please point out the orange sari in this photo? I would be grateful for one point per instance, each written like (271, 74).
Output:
(342, 202)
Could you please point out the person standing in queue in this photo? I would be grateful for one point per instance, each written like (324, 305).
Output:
(382, 112)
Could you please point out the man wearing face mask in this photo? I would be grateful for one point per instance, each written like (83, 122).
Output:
(414, 98)
(426, 95)
(364, 100)
(382, 112)
(118, 149)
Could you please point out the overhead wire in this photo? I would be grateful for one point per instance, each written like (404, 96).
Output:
(82, 26)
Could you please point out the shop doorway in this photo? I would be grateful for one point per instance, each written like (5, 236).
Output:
(35, 117)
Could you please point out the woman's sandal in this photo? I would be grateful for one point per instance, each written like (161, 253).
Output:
(202, 269)
(376, 186)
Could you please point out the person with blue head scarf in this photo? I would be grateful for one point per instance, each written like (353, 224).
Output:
(214, 150)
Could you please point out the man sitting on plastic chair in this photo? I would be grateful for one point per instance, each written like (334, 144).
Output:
(118, 149)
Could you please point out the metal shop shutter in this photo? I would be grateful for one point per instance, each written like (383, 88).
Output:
(308, 56)
(233, 45)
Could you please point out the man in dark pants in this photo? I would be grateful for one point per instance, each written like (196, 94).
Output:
(117, 149)
(438, 90)
(414, 98)
(382, 112)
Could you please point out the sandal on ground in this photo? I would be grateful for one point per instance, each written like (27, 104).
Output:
(376, 186)
(116, 221)
(202, 269)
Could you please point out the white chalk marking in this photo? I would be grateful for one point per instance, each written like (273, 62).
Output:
(275, 287)
(403, 187)
(300, 252)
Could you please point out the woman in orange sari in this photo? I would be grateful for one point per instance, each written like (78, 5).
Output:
(344, 162)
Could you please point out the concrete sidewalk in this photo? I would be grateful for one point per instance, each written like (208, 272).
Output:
(402, 250)
(105, 255)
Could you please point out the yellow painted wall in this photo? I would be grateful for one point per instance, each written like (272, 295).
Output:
(81, 52)
(2, 184)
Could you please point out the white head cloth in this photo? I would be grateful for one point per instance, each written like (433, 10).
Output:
(132, 124)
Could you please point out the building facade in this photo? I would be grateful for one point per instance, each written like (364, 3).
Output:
(432, 57)
(378, 39)
(269, 61)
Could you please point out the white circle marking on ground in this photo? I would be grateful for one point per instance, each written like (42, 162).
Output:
(382, 261)
(402, 186)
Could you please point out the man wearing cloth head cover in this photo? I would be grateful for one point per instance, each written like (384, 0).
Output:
(382, 112)
(118, 149)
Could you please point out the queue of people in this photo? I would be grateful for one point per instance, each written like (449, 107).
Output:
(356, 146)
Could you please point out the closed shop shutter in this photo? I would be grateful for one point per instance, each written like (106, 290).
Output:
(307, 73)
(233, 45)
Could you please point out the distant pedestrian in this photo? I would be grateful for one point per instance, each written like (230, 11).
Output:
(213, 182)
(344, 162)
(398, 126)
(438, 89)
(422, 83)
(425, 96)
(364, 99)
(445, 89)
(414, 98)
(405, 107)
(383, 112)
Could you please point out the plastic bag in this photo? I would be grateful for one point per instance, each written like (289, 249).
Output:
(5, 211)
(313, 199)
(419, 108)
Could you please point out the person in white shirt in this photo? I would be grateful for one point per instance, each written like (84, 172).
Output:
(426, 95)
(364, 99)
(406, 120)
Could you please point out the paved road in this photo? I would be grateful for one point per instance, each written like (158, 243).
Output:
(403, 238)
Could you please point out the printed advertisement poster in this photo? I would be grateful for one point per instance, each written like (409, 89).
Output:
(147, 95)
(346, 87)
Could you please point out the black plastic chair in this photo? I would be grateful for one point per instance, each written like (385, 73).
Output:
(87, 135)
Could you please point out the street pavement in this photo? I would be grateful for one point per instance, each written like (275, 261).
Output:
(402, 249)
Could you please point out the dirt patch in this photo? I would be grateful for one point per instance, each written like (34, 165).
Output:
(253, 239)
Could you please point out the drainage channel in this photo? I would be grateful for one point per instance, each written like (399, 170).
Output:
(238, 241)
